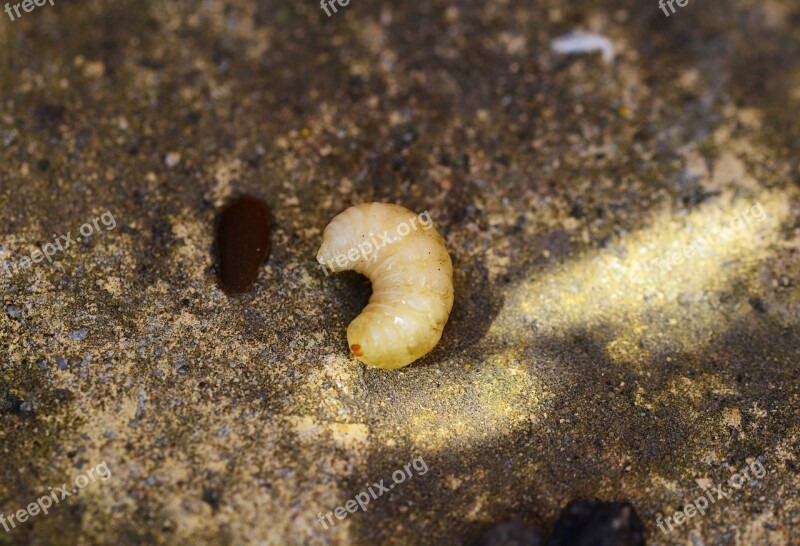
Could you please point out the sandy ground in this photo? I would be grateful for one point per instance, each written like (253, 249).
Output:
(624, 236)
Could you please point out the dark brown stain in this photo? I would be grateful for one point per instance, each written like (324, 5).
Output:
(242, 243)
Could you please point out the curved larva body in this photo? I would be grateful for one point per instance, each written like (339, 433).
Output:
(412, 280)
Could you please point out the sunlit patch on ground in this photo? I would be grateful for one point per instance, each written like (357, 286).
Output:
(500, 398)
(644, 290)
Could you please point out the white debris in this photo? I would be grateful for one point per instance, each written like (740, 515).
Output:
(583, 42)
(172, 159)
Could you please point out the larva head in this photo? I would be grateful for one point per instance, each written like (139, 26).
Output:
(390, 341)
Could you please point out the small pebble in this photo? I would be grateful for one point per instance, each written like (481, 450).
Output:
(10, 403)
(8, 138)
(79, 334)
(14, 312)
(172, 159)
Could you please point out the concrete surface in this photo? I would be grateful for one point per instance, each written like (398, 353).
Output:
(572, 367)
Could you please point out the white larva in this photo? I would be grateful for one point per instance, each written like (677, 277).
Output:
(412, 280)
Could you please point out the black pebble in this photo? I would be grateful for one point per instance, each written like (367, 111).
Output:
(242, 242)
(592, 523)
(510, 533)
(9, 403)
(758, 305)
(212, 497)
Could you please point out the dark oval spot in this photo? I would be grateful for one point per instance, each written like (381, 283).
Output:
(242, 242)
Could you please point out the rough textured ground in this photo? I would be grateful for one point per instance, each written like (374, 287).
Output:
(569, 368)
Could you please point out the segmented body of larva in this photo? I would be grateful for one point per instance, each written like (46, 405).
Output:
(404, 257)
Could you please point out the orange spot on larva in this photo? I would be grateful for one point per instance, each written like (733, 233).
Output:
(356, 349)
